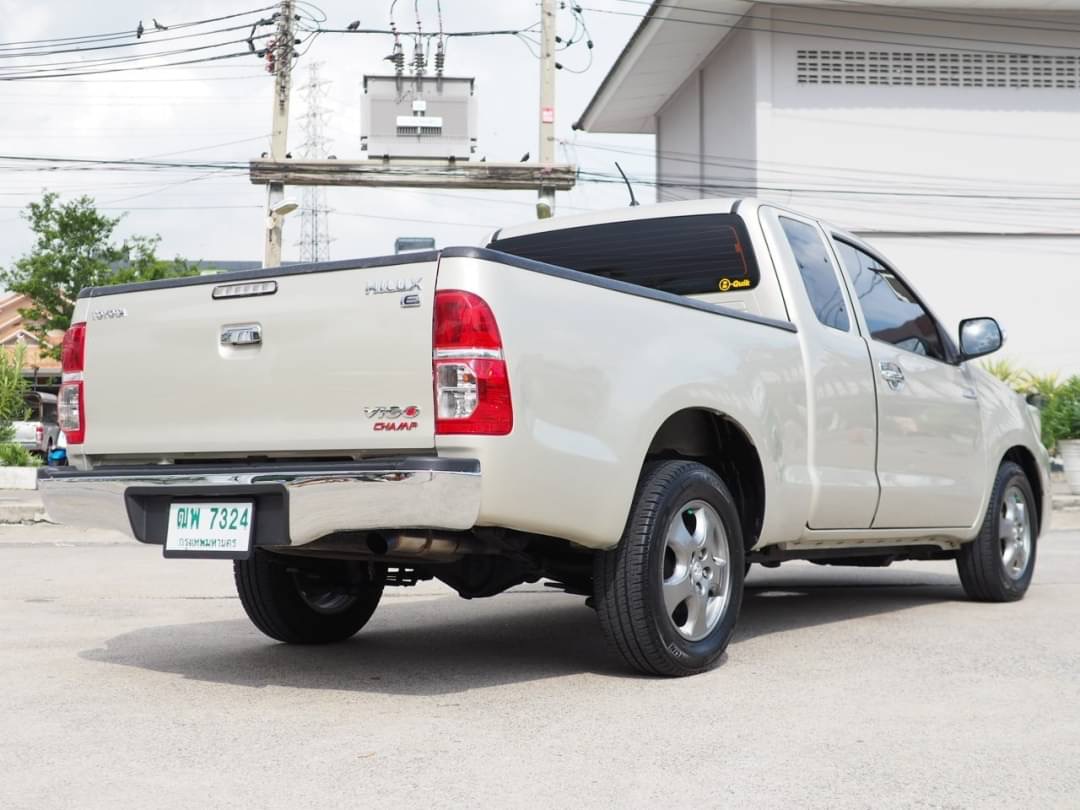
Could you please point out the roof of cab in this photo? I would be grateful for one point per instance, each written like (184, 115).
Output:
(717, 205)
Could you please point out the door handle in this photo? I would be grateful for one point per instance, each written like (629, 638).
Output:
(892, 374)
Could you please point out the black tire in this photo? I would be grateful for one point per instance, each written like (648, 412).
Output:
(628, 580)
(983, 570)
(274, 599)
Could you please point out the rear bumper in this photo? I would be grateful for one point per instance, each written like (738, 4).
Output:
(295, 503)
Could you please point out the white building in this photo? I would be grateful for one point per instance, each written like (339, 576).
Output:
(946, 133)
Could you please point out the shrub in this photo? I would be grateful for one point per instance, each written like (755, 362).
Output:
(1006, 371)
(1061, 415)
(13, 389)
(1045, 385)
(15, 455)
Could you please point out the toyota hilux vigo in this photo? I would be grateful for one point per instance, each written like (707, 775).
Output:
(633, 405)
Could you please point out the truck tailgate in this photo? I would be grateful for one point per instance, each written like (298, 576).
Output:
(336, 359)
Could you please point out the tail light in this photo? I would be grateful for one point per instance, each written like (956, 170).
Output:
(472, 388)
(39, 434)
(72, 402)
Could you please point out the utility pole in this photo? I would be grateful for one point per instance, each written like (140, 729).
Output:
(314, 213)
(545, 204)
(280, 57)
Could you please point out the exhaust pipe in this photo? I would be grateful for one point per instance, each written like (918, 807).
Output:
(424, 545)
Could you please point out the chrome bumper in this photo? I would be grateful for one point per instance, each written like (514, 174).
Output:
(295, 503)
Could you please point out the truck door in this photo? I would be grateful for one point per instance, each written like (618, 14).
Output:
(842, 416)
(929, 448)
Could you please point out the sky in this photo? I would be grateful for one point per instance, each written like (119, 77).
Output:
(222, 111)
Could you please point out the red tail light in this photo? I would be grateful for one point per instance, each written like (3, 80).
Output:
(72, 402)
(472, 387)
(39, 435)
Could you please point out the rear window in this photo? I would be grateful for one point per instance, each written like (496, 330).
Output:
(690, 255)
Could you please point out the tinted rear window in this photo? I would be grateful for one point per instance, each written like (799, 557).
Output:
(691, 255)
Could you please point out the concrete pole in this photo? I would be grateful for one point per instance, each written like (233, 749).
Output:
(275, 192)
(545, 205)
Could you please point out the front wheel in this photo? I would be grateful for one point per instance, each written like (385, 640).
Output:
(998, 564)
(305, 607)
(669, 594)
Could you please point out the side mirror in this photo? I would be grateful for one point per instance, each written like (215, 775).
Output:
(979, 336)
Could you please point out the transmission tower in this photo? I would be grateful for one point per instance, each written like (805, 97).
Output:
(315, 239)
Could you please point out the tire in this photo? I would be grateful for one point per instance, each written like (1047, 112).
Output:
(989, 570)
(681, 510)
(295, 609)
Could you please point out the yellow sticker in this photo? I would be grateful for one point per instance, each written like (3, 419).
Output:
(738, 284)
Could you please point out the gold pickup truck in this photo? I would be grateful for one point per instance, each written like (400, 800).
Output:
(635, 405)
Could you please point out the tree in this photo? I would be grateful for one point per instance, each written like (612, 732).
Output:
(74, 249)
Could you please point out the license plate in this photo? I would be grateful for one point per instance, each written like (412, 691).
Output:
(216, 529)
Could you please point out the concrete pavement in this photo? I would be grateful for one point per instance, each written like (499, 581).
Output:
(131, 681)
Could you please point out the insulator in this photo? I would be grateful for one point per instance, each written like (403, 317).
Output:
(440, 58)
(419, 63)
(398, 59)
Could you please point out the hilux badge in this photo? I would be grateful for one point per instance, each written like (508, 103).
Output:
(400, 285)
(108, 314)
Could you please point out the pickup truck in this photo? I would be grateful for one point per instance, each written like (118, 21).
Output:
(633, 405)
(39, 431)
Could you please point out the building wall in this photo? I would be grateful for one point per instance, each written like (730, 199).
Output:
(678, 141)
(1029, 284)
(825, 144)
(716, 105)
(954, 159)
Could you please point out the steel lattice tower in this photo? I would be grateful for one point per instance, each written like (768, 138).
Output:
(315, 239)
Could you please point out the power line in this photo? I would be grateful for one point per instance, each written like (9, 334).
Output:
(796, 169)
(841, 26)
(740, 183)
(113, 45)
(123, 69)
(116, 60)
(131, 31)
(771, 29)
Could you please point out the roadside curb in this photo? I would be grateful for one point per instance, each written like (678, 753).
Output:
(21, 514)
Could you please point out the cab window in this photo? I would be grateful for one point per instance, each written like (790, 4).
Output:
(818, 274)
(893, 313)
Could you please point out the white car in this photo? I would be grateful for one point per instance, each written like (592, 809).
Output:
(635, 405)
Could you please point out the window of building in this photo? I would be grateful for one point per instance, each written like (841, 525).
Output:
(818, 274)
(688, 255)
(893, 313)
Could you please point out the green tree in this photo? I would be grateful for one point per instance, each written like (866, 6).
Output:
(74, 248)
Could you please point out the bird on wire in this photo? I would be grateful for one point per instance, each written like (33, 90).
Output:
(353, 25)
(139, 30)
(158, 26)
(525, 158)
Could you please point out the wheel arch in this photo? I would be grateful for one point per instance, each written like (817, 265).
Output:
(722, 444)
(1025, 459)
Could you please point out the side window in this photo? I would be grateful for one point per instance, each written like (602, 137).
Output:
(893, 313)
(818, 275)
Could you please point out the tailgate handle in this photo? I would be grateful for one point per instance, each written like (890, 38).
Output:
(248, 334)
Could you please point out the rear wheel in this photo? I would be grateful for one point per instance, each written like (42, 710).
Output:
(997, 566)
(669, 594)
(300, 607)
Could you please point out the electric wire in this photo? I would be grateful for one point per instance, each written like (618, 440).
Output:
(843, 27)
(771, 29)
(131, 32)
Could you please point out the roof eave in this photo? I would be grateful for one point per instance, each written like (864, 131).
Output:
(614, 78)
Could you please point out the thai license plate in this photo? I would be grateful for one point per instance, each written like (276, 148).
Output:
(217, 529)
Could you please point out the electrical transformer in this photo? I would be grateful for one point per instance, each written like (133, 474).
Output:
(408, 117)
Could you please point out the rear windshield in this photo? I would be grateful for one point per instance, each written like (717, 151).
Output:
(689, 255)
